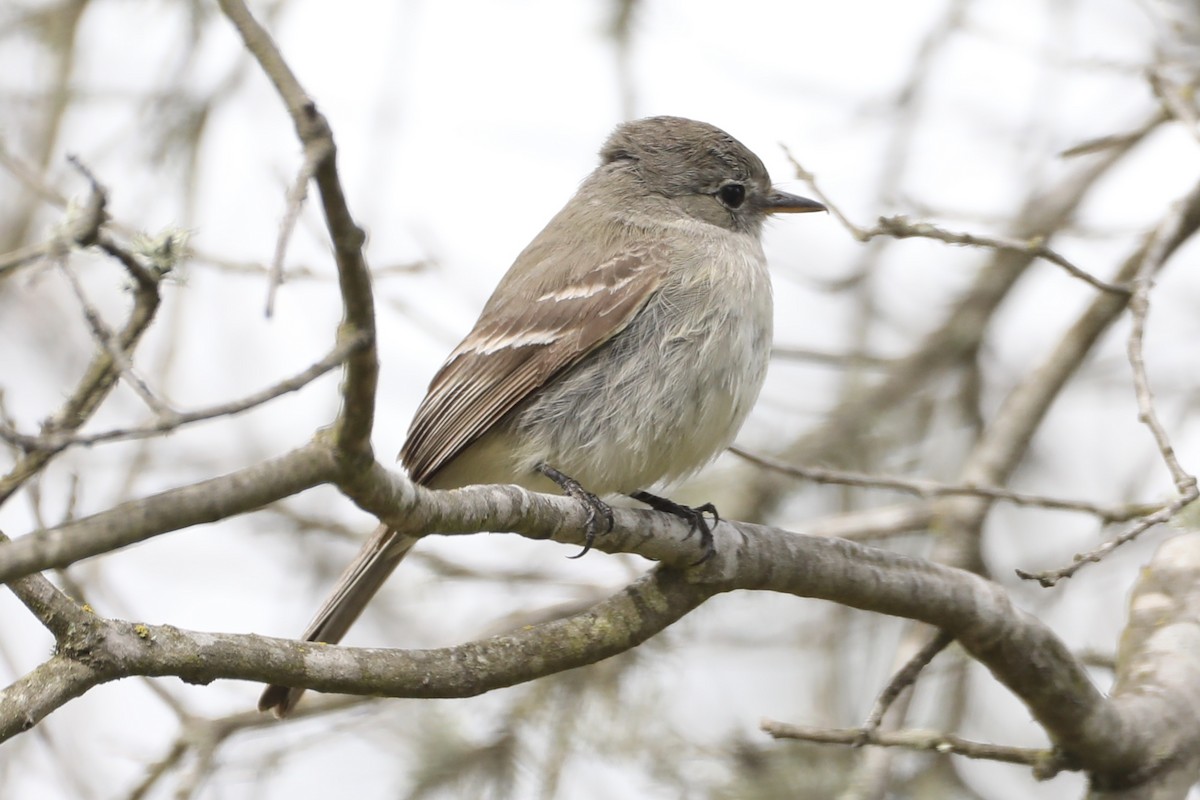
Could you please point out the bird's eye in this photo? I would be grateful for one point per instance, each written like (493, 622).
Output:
(732, 195)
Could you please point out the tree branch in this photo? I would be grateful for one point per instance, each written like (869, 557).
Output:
(176, 419)
(914, 740)
(352, 432)
(104, 370)
(964, 327)
(137, 520)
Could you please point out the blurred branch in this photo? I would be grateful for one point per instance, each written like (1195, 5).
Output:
(1138, 268)
(622, 28)
(870, 523)
(905, 677)
(1180, 101)
(927, 490)
(963, 328)
(105, 369)
(847, 360)
(313, 156)
(201, 737)
(1043, 761)
(900, 227)
(105, 340)
(59, 27)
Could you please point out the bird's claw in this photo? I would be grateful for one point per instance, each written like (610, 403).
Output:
(596, 508)
(693, 516)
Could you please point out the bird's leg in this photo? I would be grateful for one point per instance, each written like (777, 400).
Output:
(694, 517)
(596, 508)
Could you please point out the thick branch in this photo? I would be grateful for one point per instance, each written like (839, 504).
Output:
(50, 686)
(118, 649)
(55, 610)
(137, 520)
(1158, 672)
(1094, 733)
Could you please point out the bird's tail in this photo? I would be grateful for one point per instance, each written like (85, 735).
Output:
(380, 555)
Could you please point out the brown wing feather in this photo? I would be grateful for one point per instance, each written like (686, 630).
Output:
(515, 348)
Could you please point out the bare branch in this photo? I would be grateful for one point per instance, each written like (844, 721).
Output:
(48, 687)
(295, 203)
(1138, 268)
(1178, 100)
(106, 341)
(50, 606)
(1051, 577)
(848, 360)
(900, 227)
(1167, 237)
(905, 678)
(97, 382)
(977, 613)
(1043, 761)
(352, 432)
(135, 521)
(927, 489)
(170, 420)
(117, 649)
(964, 326)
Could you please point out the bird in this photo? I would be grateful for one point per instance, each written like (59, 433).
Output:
(624, 347)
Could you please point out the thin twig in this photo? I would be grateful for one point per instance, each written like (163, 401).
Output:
(105, 339)
(957, 339)
(1177, 228)
(94, 386)
(1139, 307)
(296, 196)
(900, 227)
(91, 233)
(48, 604)
(904, 678)
(352, 430)
(916, 740)
(1050, 577)
(169, 421)
(927, 489)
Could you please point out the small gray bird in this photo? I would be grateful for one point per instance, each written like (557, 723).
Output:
(625, 346)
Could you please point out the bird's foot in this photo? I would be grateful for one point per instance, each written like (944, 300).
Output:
(596, 508)
(694, 517)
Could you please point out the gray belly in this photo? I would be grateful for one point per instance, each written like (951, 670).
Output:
(657, 401)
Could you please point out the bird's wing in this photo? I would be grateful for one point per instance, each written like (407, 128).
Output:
(521, 343)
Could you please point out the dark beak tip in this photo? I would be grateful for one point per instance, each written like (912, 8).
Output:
(784, 203)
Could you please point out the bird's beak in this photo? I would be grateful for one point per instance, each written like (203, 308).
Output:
(783, 203)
